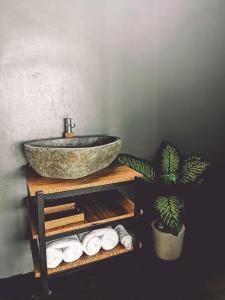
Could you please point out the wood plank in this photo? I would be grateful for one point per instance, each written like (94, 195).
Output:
(59, 208)
(106, 176)
(84, 260)
(99, 208)
(32, 220)
(72, 217)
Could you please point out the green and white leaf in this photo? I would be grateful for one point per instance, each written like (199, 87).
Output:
(193, 168)
(140, 165)
(169, 209)
(170, 160)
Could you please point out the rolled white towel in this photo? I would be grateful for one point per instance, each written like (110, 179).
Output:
(63, 242)
(109, 238)
(124, 237)
(74, 251)
(54, 257)
(90, 242)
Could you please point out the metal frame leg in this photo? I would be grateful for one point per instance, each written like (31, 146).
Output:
(138, 247)
(138, 213)
(42, 245)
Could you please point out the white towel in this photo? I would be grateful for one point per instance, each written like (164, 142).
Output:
(90, 242)
(74, 251)
(54, 257)
(109, 238)
(70, 247)
(63, 242)
(124, 237)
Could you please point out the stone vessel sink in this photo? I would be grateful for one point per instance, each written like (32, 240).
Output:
(71, 158)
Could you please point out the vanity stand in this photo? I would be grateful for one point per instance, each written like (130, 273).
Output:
(102, 204)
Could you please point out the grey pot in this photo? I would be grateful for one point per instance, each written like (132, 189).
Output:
(72, 158)
(166, 245)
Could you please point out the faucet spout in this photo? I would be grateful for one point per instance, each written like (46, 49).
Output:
(69, 125)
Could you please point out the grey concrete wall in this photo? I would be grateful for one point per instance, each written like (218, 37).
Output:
(144, 70)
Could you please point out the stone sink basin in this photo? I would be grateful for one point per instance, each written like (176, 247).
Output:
(71, 158)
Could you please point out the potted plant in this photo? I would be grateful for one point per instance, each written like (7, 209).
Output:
(170, 173)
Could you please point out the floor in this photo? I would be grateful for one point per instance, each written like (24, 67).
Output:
(217, 296)
(172, 281)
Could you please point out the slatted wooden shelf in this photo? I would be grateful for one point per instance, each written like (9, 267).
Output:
(106, 176)
(84, 260)
(62, 219)
(59, 208)
(99, 208)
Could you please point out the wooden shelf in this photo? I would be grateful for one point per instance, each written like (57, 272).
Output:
(99, 208)
(106, 176)
(84, 260)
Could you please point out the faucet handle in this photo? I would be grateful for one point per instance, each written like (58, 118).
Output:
(72, 125)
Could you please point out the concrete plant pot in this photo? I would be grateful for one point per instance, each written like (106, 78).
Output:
(166, 245)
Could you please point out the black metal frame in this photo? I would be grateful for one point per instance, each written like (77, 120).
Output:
(40, 199)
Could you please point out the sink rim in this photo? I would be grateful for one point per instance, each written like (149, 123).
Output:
(29, 144)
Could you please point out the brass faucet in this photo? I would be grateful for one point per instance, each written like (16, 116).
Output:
(69, 128)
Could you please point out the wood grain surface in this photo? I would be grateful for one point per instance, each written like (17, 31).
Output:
(106, 176)
(98, 208)
(84, 260)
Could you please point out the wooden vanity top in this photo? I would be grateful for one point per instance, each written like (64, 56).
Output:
(106, 176)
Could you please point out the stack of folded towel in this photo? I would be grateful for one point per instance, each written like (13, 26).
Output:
(71, 248)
